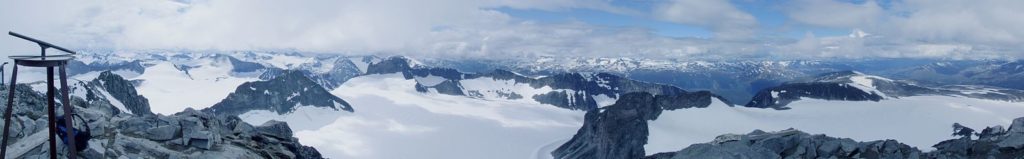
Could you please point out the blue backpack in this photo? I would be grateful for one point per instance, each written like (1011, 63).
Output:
(81, 137)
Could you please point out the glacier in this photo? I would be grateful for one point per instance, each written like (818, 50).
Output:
(918, 121)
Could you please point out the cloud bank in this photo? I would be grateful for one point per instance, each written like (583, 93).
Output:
(476, 28)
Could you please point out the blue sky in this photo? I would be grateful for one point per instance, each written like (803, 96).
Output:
(499, 28)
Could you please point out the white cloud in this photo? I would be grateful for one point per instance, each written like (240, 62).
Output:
(834, 13)
(313, 25)
(720, 16)
(923, 28)
(473, 28)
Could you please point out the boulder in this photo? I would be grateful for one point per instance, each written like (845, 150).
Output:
(202, 139)
(163, 133)
(275, 128)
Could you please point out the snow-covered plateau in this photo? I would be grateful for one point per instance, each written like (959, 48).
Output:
(392, 120)
(919, 121)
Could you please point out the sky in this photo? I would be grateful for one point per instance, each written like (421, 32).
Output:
(948, 29)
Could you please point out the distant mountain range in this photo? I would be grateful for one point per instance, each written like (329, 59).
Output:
(740, 80)
(736, 80)
(856, 86)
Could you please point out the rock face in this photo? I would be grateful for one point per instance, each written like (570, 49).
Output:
(188, 134)
(574, 91)
(124, 91)
(620, 130)
(791, 143)
(281, 94)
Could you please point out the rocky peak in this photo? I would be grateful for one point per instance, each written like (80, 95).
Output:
(123, 91)
(620, 130)
(282, 94)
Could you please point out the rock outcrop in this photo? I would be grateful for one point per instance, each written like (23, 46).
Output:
(281, 95)
(620, 130)
(124, 91)
(188, 134)
(791, 143)
(991, 142)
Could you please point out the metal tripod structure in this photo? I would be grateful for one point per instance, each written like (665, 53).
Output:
(51, 61)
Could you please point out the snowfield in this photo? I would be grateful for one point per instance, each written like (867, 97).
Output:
(392, 120)
(920, 121)
(170, 90)
(302, 118)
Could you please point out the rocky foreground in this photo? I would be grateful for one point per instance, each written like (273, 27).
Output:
(134, 133)
(992, 142)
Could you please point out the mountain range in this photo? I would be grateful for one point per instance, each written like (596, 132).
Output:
(363, 106)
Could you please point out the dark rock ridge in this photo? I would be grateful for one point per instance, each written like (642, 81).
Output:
(188, 134)
(842, 86)
(584, 86)
(281, 94)
(620, 130)
(992, 142)
(122, 90)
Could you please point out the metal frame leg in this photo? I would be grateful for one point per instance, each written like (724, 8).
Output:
(7, 112)
(51, 113)
(67, 112)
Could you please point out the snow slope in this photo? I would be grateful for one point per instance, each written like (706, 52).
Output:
(919, 121)
(392, 120)
(303, 118)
